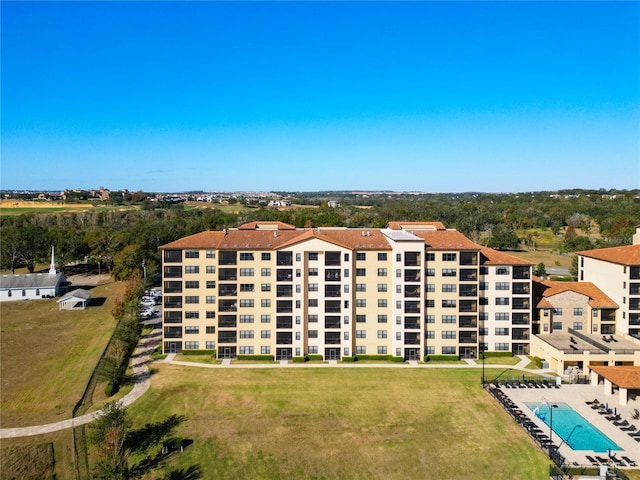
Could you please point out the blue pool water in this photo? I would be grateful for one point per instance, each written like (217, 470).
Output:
(573, 429)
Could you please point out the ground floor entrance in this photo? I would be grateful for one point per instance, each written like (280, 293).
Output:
(332, 353)
(172, 347)
(412, 354)
(227, 352)
(284, 353)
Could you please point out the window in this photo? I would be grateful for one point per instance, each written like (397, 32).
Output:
(313, 255)
(211, 284)
(431, 256)
(382, 303)
(577, 325)
(246, 272)
(483, 331)
(382, 350)
(382, 287)
(312, 318)
(398, 273)
(577, 312)
(265, 318)
(502, 300)
(382, 319)
(313, 349)
(557, 312)
(210, 329)
(430, 288)
(191, 330)
(247, 302)
(502, 286)
(361, 272)
(210, 345)
(360, 334)
(313, 272)
(484, 316)
(210, 314)
(398, 336)
(361, 256)
(382, 257)
(361, 350)
(448, 334)
(382, 272)
(484, 286)
(246, 350)
(502, 331)
(246, 318)
(313, 302)
(429, 334)
(265, 303)
(298, 257)
(265, 272)
(191, 315)
(502, 347)
(361, 302)
(448, 319)
(595, 312)
(346, 273)
(382, 334)
(313, 333)
(430, 272)
(191, 254)
(430, 303)
(557, 325)
(448, 287)
(265, 287)
(191, 345)
(210, 269)
(192, 269)
(502, 316)
(448, 304)
(313, 287)
(246, 256)
(502, 270)
(361, 287)
(246, 287)
(192, 284)
(430, 319)
(361, 318)
(448, 350)
(265, 256)
(246, 333)
(449, 257)
(191, 299)
(210, 254)
(449, 272)
(265, 350)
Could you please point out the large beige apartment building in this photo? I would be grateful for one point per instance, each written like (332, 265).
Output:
(409, 290)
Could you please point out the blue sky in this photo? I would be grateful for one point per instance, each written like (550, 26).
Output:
(427, 96)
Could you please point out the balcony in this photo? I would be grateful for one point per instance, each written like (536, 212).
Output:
(228, 258)
(172, 287)
(521, 273)
(520, 289)
(411, 292)
(412, 259)
(521, 304)
(172, 256)
(411, 307)
(227, 321)
(468, 306)
(468, 321)
(284, 338)
(412, 276)
(172, 272)
(284, 275)
(228, 275)
(172, 332)
(284, 322)
(173, 317)
(411, 323)
(332, 290)
(284, 306)
(284, 291)
(227, 337)
(468, 337)
(332, 322)
(172, 302)
(468, 275)
(332, 275)
(468, 258)
(412, 339)
(468, 290)
(284, 258)
(332, 259)
(332, 306)
(520, 319)
(228, 291)
(332, 338)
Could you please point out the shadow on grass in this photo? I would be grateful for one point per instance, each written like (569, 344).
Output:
(191, 473)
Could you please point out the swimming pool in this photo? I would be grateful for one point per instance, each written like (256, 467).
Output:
(572, 428)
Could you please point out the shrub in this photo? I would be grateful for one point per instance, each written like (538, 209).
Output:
(258, 358)
(111, 389)
(300, 359)
(350, 359)
(374, 357)
(496, 354)
(397, 359)
(537, 361)
(441, 358)
(199, 352)
(314, 357)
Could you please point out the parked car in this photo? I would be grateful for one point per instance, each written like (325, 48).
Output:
(148, 302)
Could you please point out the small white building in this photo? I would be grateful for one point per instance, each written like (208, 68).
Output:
(33, 286)
(78, 298)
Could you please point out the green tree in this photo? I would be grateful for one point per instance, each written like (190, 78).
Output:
(109, 435)
(503, 238)
(541, 269)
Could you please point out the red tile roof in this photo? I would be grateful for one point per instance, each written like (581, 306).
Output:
(622, 376)
(416, 225)
(626, 255)
(500, 258)
(446, 240)
(597, 299)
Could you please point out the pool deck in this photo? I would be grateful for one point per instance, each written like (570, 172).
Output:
(575, 396)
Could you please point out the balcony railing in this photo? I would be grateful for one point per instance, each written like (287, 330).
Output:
(468, 338)
(172, 334)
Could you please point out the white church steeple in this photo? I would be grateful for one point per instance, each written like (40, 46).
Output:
(52, 267)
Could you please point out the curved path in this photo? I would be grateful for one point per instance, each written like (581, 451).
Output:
(139, 364)
(141, 359)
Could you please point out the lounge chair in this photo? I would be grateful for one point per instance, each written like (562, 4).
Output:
(636, 414)
(630, 428)
(629, 461)
(593, 461)
(602, 460)
(594, 402)
(614, 418)
(617, 461)
(623, 423)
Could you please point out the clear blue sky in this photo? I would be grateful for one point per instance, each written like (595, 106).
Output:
(428, 96)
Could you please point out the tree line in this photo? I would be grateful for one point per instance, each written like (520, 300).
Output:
(119, 241)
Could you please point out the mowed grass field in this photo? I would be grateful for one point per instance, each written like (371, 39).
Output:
(337, 423)
(47, 355)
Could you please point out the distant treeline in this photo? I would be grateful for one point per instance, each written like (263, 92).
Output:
(120, 240)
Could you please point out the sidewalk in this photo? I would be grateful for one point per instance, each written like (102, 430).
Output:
(139, 362)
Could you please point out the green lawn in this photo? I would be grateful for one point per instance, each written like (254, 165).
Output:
(47, 355)
(337, 423)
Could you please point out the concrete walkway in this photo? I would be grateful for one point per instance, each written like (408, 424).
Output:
(139, 364)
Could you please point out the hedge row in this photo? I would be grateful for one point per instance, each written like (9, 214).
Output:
(258, 358)
(496, 354)
(199, 352)
(441, 358)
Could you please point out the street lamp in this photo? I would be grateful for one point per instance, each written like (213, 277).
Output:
(482, 353)
(551, 407)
